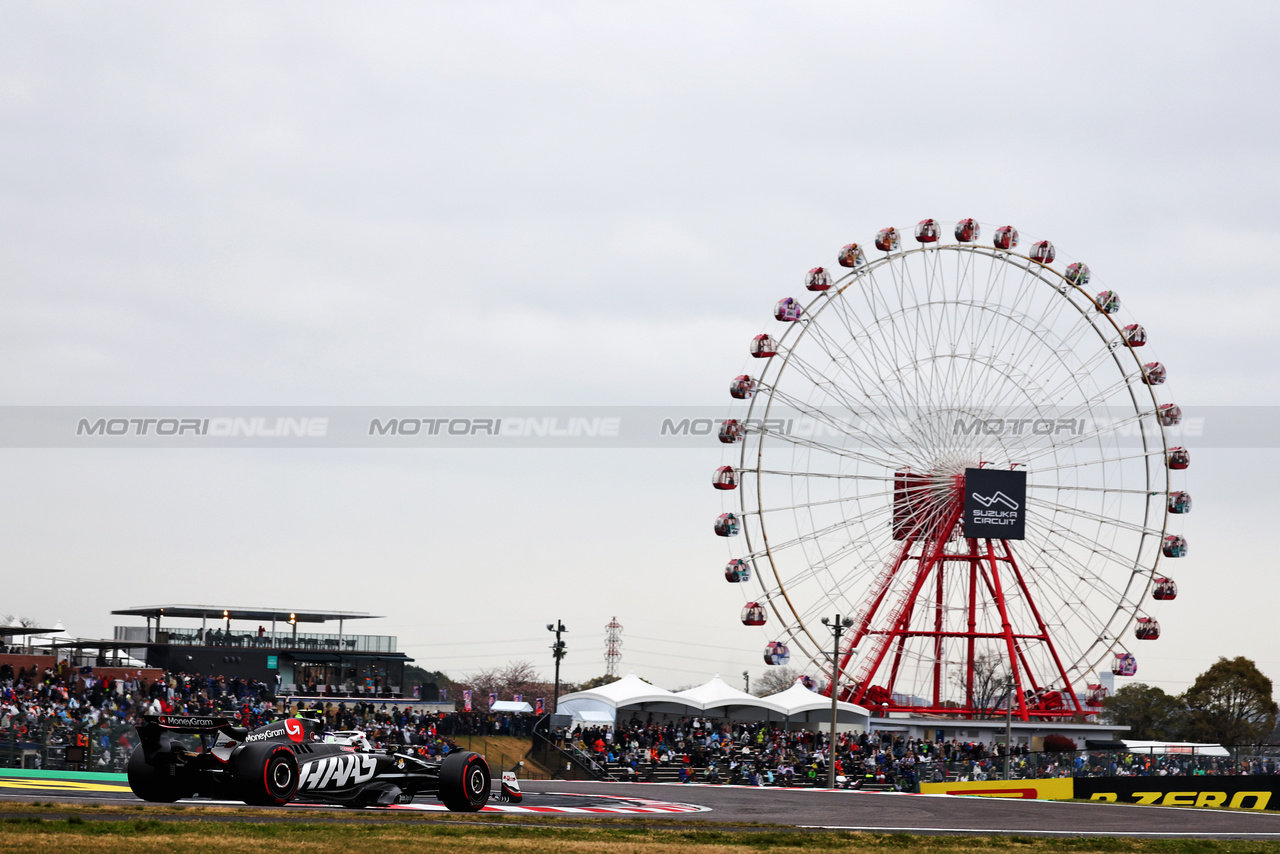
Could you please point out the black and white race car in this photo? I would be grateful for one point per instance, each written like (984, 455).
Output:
(180, 756)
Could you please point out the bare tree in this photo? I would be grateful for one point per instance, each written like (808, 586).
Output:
(775, 679)
(990, 683)
(516, 677)
(520, 677)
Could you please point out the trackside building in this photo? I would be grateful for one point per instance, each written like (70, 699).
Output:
(268, 644)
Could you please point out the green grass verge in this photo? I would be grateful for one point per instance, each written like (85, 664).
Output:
(32, 827)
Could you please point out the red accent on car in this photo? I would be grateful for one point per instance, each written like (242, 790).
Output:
(266, 780)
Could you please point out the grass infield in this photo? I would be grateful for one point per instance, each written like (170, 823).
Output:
(71, 829)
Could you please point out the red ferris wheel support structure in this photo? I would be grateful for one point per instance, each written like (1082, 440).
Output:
(914, 601)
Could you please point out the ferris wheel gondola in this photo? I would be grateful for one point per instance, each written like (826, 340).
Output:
(1124, 664)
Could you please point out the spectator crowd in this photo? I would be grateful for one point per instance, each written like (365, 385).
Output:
(755, 753)
(59, 706)
(44, 711)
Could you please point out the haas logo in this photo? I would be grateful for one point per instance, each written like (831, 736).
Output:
(294, 728)
(338, 772)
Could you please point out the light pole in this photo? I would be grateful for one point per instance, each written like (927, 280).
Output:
(837, 628)
(1008, 725)
(746, 681)
(557, 652)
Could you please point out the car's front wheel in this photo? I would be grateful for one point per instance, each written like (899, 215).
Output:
(464, 782)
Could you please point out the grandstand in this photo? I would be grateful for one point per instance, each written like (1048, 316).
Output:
(265, 644)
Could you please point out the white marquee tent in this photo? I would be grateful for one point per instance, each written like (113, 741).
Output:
(715, 699)
(1176, 747)
(510, 706)
(630, 692)
(805, 706)
(718, 699)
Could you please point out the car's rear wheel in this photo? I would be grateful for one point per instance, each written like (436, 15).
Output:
(464, 782)
(151, 783)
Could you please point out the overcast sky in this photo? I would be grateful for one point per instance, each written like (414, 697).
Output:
(573, 203)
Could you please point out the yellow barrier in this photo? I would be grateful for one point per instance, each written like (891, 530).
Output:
(1057, 789)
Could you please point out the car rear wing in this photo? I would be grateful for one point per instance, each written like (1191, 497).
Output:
(153, 730)
(189, 723)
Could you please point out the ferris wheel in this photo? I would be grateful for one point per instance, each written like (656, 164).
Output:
(959, 448)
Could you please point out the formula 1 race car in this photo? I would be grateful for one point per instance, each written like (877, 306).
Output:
(287, 760)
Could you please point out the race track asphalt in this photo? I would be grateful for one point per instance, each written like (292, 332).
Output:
(896, 813)
(798, 808)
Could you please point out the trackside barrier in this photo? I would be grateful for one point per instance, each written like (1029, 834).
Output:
(1243, 792)
(1059, 789)
(1261, 792)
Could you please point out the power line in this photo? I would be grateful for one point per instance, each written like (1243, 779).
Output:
(473, 642)
(691, 643)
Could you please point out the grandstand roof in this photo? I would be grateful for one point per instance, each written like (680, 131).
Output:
(239, 612)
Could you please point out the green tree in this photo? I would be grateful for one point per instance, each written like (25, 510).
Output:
(1231, 704)
(414, 675)
(1150, 713)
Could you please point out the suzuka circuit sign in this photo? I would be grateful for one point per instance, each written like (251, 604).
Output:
(995, 504)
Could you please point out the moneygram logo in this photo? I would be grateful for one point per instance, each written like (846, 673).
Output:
(181, 722)
(265, 734)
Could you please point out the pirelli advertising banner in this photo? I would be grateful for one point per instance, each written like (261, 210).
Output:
(1056, 789)
(1245, 792)
(995, 504)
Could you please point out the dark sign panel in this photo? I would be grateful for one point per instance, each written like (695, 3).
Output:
(995, 504)
(1243, 792)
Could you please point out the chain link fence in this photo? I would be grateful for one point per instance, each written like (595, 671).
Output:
(1250, 759)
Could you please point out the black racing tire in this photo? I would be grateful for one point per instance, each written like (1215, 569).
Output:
(149, 782)
(464, 782)
(266, 774)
